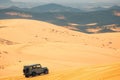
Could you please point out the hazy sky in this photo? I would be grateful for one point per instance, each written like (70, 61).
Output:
(69, 1)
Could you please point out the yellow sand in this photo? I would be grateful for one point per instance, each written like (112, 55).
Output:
(68, 54)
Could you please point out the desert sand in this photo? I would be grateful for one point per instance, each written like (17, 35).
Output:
(69, 55)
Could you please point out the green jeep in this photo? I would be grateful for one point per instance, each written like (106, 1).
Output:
(35, 69)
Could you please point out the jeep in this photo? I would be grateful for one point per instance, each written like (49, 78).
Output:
(34, 70)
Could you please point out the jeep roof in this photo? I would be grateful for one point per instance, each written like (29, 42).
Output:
(31, 65)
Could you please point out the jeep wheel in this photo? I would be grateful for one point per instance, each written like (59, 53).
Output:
(39, 73)
(46, 72)
(27, 76)
(33, 74)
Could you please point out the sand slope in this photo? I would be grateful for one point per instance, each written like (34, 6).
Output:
(68, 54)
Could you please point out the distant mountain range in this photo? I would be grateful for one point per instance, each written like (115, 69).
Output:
(5, 1)
(9, 3)
(69, 17)
(54, 8)
(46, 8)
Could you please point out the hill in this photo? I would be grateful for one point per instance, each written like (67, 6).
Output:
(68, 54)
(54, 8)
(5, 1)
(103, 20)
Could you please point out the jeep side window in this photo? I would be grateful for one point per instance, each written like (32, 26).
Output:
(38, 66)
(33, 67)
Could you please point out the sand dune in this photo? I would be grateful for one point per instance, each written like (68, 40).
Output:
(68, 54)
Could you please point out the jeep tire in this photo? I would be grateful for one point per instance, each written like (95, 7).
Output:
(46, 71)
(27, 76)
